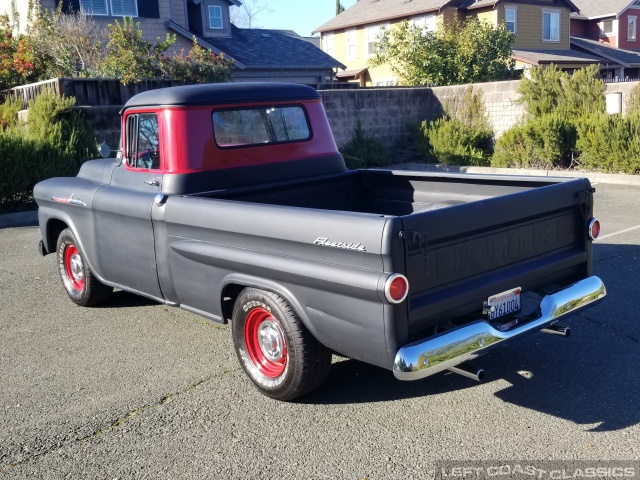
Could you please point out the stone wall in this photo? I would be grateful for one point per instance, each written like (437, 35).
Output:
(385, 112)
(499, 100)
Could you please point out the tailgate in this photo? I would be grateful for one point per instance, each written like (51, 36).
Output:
(457, 257)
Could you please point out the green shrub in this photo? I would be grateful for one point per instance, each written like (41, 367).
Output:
(550, 90)
(55, 141)
(54, 120)
(9, 113)
(132, 59)
(413, 146)
(454, 142)
(463, 136)
(545, 142)
(633, 102)
(609, 143)
(364, 151)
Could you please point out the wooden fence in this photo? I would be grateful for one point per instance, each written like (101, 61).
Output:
(92, 92)
(99, 92)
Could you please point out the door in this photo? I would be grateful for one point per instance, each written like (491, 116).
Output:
(124, 230)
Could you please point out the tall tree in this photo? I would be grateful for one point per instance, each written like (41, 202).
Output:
(339, 7)
(473, 51)
(246, 15)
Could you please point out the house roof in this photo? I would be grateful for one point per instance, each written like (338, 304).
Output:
(266, 49)
(592, 9)
(626, 58)
(473, 4)
(371, 11)
(353, 73)
(558, 57)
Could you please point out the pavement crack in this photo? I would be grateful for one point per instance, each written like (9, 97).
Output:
(613, 329)
(116, 423)
(616, 257)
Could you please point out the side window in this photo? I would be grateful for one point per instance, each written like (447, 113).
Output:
(143, 143)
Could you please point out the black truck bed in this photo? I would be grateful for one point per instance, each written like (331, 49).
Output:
(384, 192)
(458, 238)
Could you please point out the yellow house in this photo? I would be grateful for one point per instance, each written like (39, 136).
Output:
(541, 28)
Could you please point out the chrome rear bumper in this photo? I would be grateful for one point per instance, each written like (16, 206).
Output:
(448, 349)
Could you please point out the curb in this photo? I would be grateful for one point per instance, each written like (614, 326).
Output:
(19, 219)
(609, 178)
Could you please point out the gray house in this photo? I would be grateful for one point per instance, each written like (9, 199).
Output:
(259, 54)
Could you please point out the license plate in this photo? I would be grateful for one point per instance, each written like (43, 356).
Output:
(504, 303)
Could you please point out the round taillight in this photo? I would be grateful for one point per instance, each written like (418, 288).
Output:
(594, 228)
(396, 288)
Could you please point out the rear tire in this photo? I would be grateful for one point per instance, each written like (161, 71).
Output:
(277, 352)
(81, 285)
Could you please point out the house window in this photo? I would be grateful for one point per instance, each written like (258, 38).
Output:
(124, 8)
(215, 17)
(608, 27)
(510, 19)
(115, 8)
(427, 22)
(328, 44)
(551, 26)
(352, 46)
(632, 27)
(373, 32)
(94, 7)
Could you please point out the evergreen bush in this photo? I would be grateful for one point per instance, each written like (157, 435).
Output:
(545, 142)
(463, 135)
(454, 142)
(609, 143)
(364, 151)
(55, 141)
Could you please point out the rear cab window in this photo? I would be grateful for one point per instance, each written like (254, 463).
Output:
(260, 125)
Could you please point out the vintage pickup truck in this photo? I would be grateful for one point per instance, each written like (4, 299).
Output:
(233, 202)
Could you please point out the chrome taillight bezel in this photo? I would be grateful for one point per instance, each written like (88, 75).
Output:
(387, 288)
(592, 224)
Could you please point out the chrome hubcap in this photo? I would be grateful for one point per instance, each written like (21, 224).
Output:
(270, 340)
(76, 266)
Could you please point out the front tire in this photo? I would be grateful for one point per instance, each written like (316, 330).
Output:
(275, 349)
(79, 282)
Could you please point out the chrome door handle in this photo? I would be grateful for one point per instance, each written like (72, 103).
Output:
(153, 183)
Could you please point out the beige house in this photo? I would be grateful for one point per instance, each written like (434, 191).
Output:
(258, 54)
(541, 28)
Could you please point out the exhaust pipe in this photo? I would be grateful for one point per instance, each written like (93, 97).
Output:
(469, 371)
(557, 330)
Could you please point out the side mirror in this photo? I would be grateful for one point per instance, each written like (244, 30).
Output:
(105, 151)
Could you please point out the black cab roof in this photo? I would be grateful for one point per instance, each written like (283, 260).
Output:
(222, 93)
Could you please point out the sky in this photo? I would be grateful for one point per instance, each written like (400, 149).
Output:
(301, 16)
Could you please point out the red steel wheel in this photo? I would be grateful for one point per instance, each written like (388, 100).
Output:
(78, 280)
(74, 267)
(266, 345)
(275, 349)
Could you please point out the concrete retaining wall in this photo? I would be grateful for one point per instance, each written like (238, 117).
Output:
(385, 112)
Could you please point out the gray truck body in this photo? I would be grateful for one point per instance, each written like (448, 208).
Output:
(327, 239)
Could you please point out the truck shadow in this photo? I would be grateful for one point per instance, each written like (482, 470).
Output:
(590, 378)
(122, 299)
(579, 379)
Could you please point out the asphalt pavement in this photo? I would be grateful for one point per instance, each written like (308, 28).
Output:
(134, 389)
